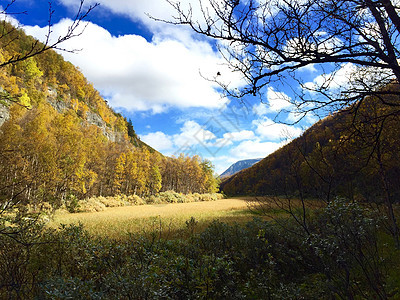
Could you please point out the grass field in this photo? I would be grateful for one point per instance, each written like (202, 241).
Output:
(168, 220)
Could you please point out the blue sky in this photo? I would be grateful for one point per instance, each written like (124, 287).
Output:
(154, 74)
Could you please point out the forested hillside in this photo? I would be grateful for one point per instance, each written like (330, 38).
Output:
(60, 140)
(353, 153)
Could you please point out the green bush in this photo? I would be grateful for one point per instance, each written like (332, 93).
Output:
(72, 203)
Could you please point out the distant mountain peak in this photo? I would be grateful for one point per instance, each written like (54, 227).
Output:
(238, 166)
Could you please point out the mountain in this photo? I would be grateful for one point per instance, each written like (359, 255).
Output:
(48, 82)
(238, 166)
(60, 140)
(354, 153)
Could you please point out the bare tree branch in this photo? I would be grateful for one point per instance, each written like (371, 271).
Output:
(269, 41)
(37, 47)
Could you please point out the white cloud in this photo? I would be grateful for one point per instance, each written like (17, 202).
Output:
(144, 11)
(294, 117)
(139, 75)
(260, 109)
(192, 134)
(8, 18)
(338, 79)
(268, 129)
(308, 68)
(240, 135)
(254, 149)
(278, 100)
(158, 140)
(230, 137)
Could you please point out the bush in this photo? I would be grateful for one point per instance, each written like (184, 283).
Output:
(153, 199)
(135, 200)
(167, 197)
(72, 203)
(90, 205)
(94, 204)
(108, 201)
(208, 197)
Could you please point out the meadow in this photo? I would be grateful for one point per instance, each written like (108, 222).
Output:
(169, 220)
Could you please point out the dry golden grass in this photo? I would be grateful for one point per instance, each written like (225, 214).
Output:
(169, 220)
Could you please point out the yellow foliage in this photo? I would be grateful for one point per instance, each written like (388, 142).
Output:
(56, 154)
(31, 69)
(24, 100)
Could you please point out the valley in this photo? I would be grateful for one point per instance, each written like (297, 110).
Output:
(104, 193)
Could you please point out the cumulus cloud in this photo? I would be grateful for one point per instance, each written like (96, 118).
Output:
(295, 117)
(338, 79)
(142, 11)
(158, 140)
(139, 75)
(230, 137)
(254, 149)
(278, 100)
(240, 135)
(268, 129)
(260, 109)
(8, 18)
(231, 147)
(192, 134)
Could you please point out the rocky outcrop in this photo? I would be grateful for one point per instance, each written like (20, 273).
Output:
(59, 105)
(91, 117)
(4, 113)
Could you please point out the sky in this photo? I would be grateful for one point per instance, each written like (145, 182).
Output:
(155, 74)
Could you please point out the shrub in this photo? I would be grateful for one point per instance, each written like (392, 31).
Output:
(72, 203)
(90, 205)
(153, 199)
(111, 201)
(168, 197)
(135, 200)
(209, 197)
(338, 258)
(189, 198)
(93, 204)
(196, 197)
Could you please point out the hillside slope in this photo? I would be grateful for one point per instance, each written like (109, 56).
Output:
(47, 78)
(354, 154)
(60, 141)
